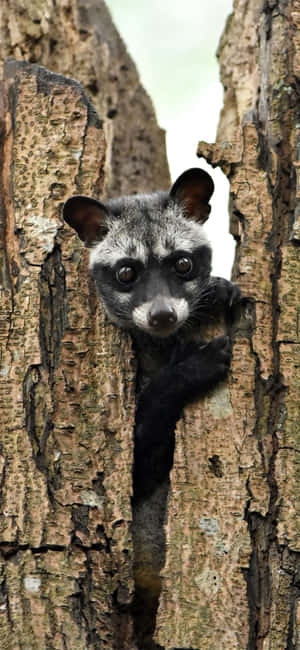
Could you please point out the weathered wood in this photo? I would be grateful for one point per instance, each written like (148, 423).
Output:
(67, 385)
(232, 574)
(56, 150)
(78, 39)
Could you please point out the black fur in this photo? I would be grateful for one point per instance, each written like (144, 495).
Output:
(151, 261)
(183, 371)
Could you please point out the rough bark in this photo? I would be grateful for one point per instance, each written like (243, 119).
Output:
(68, 539)
(231, 575)
(231, 578)
(78, 39)
(67, 385)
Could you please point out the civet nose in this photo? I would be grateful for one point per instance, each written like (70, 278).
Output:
(162, 317)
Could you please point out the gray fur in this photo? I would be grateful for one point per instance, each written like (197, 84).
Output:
(143, 225)
(159, 241)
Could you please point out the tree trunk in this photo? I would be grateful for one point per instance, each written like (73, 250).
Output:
(67, 385)
(67, 376)
(78, 39)
(231, 578)
(231, 574)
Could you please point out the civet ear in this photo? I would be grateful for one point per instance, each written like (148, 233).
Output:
(87, 216)
(193, 190)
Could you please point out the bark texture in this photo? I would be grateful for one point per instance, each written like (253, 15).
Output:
(77, 38)
(231, 578)
(231, 574)
(67, 385)
(66, 416)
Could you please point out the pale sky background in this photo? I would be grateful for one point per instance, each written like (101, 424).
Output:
(173, 44)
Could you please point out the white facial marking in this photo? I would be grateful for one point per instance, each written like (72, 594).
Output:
(177, 234)
(124, 298)
(97, 255)
(107, 252)
(160, 250)
(140, 314)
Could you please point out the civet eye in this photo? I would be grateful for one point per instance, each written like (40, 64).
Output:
(183, 265)
(126, 274)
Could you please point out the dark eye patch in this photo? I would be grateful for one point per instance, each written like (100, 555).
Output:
(180, 263)
(126, 274)
(183, 265)
(190, 264)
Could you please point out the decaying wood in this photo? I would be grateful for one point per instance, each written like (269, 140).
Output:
(67, 385)
(67, 530)
(77, 38)
(232, 574)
